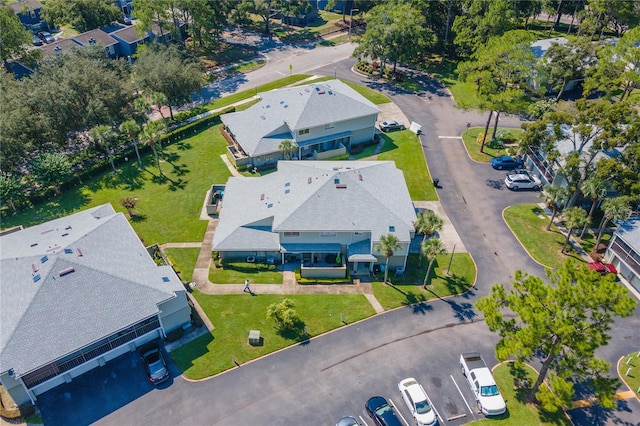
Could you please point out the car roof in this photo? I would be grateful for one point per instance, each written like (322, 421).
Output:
(376, 402)
(519, 176)
(414, 389)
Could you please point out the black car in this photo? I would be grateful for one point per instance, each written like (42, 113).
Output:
(46, 36)
(381, 412)
(155, 364)
(37, 41)
(507, 162)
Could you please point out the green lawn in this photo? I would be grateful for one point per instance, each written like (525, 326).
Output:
(341, 39)
(237, 272)
(372, 95)
(234, 315)
(544, 246)
(520, 413)
(633, 379)
(469, 138)
(404, 148)
(408, 289)
(183, 260)
(168, 211)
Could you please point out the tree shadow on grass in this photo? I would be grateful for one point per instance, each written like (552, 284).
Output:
(296, 332)
(177, 184)
(137, 218)
(185, 355)
(180, 169)
(457, 284)
(183, 145)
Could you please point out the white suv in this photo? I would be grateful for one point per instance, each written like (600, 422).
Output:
(522, 181)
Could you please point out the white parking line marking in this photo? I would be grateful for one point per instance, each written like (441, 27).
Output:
(440, 419)
(449, 137)
(362, 420)
(463, 398)
(399, 413)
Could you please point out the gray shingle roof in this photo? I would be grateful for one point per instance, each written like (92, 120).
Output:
(115, 284)
(282, 112)
(629, 231)
(303, 196)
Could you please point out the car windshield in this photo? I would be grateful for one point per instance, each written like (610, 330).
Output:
(423, 407)
(489, 390)
(152, 357)
(382, 409)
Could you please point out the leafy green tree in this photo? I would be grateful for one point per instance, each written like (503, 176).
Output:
(388, 244)
(131, 129)
(615, 15)
(83, 15)
(482, 20)
(286, 317)
(554, 196)
(103, 136)
(14, 38)
(11, 190)
(618, 67)
(595, 188)
(496, 70)
(427, 224)
(152, 135)
(166, 70)
(206, 17)
(287, 147)
(564, 322)
(430, 249)
(50, 169)
(563, 63)
(574, 217)
(395, 32)
(150, 12)
(614, 209)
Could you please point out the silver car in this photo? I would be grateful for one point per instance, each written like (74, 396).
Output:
(522, 181)
(386, 126)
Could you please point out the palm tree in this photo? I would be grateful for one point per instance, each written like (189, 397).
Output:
(431, 249)
(595, 188)
(428, 223)
(158, 99)
(553, 196)
(151, 134)
(287, 147)
(574, 217)
(132, 130)
(614, 209)
(103, 135)
(388, 245)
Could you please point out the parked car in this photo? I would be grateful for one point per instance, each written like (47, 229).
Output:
(386, 126)
(125, 20)
(347, 421)
(155, 365)
(522, 181)
(381, 412)
(37, 41)
(418, 402)
(46, 37)
(603, 268)
(506, 162)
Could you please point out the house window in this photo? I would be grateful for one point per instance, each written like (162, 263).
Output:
(32, 13)
(329, 126)
(292, 234)
(357, 233)
(328, 235)
(303, 132)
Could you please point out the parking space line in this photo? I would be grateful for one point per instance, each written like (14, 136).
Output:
(362, 420)
(463, 398)
(398, 411)
(449, 137)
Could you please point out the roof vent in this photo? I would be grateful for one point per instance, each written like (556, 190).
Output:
(336, 181)
(286, 106)
(269, 205)
(165, 279)
(35, 267)
(34, 244)
(67, 228)
(341, 186)
(392, 228)
(281, 102)
(36, 278)
(317, 89)
(44, 259)
(261, 197)
(66, 271)
(68, 251)
(330, 92)
(286, 191)
(309, 180)
(321, 93)
(65, 234)
(267, 106)
(79, 253)
(263, 117)
(92, 40)
(360, 176)
(287, 184)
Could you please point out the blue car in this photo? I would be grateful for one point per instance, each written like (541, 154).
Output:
(381, 412)
(506, 162)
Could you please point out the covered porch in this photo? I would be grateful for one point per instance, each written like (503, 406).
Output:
(316, 260)
(360, 258)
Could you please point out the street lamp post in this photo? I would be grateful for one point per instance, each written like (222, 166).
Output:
(351, 20)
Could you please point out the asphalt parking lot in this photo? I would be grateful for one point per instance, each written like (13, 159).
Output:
(99, 392)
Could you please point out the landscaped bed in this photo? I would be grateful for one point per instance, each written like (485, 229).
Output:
(631, 364)
(408, 289)
(470, 139)
(234, 315)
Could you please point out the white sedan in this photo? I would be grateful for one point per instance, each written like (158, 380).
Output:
(522, 181)
(418, 402)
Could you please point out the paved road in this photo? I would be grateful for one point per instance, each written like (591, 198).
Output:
(332, 376)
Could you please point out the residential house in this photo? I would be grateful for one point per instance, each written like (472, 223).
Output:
(100, 37)
(328, 215)
(539, 49)
(58, 47)
(323, 120)
(624, 251)
(28, 12)
(128, 38)
(78, 292)
(304, 16)
(125, 5)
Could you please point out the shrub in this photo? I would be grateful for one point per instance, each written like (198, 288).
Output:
(495, 144)
(286, 318)
(175, 334)
(479, 138)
